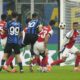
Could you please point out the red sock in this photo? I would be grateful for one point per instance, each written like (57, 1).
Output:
(44, 61)
(9, 60)
(38, 61)
(57, 62)
(77, 60)
(34, 61)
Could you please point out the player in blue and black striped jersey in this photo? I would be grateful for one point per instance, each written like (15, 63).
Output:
(14, 31)
(31, 33)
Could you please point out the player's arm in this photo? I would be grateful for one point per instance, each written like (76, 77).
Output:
(21, 31)
(69, 34)
(47, 38)
(4, 30)
(40, 27)
(21, 34)
(67, 37)
(66, 40)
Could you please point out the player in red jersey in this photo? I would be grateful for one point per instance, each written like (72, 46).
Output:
(40, 46)
(68, 46)
(3, 36)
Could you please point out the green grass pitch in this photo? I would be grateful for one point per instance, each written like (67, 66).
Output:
(57, 73)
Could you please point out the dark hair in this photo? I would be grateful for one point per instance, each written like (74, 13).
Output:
(14, 14)
(52, 22)
(28, 20)
(34, 15)
(3, 16)
(75, 23)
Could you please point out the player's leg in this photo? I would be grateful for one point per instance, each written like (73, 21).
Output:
(17, 54)
(42, 63)
(33, 39)
(7, 49)
(3, 42)
(25, 41)
(9, 60)
(64, 56)
(3, 60)
(45, 58)
(34, 57)
(77, 60)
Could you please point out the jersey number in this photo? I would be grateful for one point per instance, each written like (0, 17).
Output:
(44, 32)
(31, 24)
(14, 30)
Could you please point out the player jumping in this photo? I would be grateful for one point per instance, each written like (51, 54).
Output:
(40, 46)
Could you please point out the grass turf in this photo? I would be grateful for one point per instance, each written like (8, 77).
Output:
(57, 73)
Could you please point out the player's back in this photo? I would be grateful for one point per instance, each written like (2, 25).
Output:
(32, 26)
(13, 28)
(45, 30)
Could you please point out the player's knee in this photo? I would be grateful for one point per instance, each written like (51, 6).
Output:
(5, 56)
(78, 53)
(63, 58)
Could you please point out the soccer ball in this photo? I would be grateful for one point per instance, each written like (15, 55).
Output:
(62, 25)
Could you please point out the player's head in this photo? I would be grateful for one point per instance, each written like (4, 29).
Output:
(14, 15)
(34, 15)
(3, 17)
(75, 25)
(52, 22)
(28, 20)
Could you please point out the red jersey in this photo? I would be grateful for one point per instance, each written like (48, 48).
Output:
(45, 30)
(72, 39)
(2, 26)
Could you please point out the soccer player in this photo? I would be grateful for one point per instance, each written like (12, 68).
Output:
(31, 33)
(68, 46)
(3, 36)
(40, 46)
(14, 31)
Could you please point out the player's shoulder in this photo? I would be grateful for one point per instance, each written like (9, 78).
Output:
(77, 31)
(47, 28)
(44, 27)
(70, 32)
(2, 22)
(9, 22)
(35, 20)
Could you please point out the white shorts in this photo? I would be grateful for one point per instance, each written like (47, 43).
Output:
(66, 51)
(3, 42)
(39, 47)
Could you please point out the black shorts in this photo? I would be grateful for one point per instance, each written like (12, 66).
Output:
(30, 39)
(9, 46)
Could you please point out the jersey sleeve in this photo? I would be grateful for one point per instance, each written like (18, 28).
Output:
(69, 34)
(51, 32)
